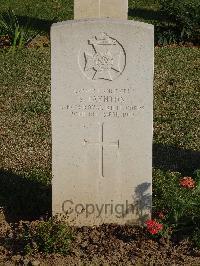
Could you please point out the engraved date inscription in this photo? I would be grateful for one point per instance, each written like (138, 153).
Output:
(105, 103)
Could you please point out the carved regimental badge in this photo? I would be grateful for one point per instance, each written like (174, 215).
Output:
(102, 58)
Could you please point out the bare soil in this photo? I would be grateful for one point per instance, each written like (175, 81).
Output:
(104, 245)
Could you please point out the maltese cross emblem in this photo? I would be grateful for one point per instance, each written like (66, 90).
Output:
(104, 58)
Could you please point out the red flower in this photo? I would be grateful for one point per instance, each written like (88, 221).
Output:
(153, 226)
(187, 182)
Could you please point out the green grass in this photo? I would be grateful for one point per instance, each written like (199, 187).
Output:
(37, 16)
(63, 9)
(46, 9)
(147, 11)
(25, 153)
(25, 104)
(41, 14)
(52, 236)
(177, 97)
(25, 96)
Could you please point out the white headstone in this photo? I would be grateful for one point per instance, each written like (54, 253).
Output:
(102, 120)
(117, 9)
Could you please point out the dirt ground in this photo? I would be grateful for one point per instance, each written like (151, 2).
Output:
(104, 245)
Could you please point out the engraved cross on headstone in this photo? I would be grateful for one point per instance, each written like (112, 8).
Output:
(102, 144)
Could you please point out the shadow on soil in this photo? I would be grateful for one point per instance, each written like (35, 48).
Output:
(22, 198)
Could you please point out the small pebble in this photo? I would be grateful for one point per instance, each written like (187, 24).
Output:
(16, 258)
(9, 263)
(35, 263)
(26, 262)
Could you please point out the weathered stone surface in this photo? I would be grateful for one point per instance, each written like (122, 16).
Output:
(117, 9)
(102, 120)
